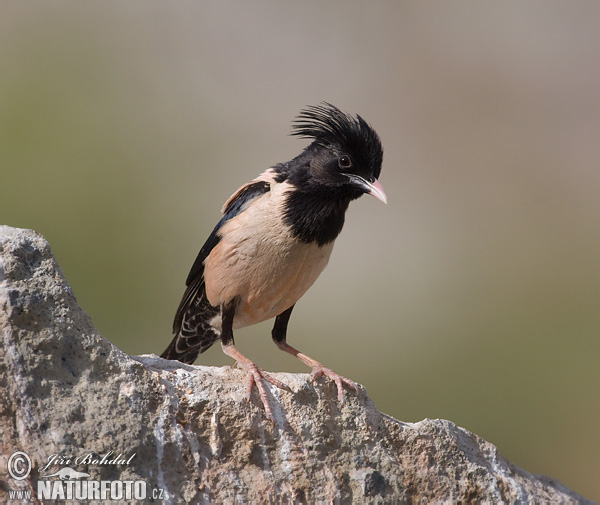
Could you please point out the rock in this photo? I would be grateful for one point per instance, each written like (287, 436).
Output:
(70, 398)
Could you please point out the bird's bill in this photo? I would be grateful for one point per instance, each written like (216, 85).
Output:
(372, 188)
(377, 191)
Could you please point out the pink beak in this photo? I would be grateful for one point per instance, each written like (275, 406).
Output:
(372, 188)
(376, 190)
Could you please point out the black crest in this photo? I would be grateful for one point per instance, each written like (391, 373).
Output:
(330, 127)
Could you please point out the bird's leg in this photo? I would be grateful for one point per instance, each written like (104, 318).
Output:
(254, 374)
(279, 335)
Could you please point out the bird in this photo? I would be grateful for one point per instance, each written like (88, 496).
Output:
(273, 240)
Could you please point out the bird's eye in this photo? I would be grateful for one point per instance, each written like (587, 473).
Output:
(344, 161)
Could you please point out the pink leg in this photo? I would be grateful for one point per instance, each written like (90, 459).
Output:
(254, 376)
(318, 370)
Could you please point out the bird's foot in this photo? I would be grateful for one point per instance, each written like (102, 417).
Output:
(319, 370)
(255, 376)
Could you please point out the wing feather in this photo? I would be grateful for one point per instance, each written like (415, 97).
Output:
(234, 206)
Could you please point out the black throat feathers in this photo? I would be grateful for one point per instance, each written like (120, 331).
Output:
(314, 216)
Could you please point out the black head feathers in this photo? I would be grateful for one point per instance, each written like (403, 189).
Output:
(330, 127)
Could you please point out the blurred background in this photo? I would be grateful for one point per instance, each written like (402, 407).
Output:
(474, 295)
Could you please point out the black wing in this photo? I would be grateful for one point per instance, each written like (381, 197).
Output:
(195, 279)
(194, 306)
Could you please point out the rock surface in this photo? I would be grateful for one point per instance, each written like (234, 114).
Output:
(67, 392)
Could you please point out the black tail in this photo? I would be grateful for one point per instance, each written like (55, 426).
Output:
(194, 333)
(188, 355)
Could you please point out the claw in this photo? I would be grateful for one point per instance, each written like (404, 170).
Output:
(255, 376)
(340, 382)
(318, 369)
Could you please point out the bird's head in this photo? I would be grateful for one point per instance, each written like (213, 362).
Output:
(346, 153)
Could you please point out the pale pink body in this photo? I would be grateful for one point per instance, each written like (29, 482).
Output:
(268, 271)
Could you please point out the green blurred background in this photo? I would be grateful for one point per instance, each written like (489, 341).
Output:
(474, 295)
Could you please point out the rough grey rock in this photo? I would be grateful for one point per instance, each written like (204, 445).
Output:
(66, 391)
